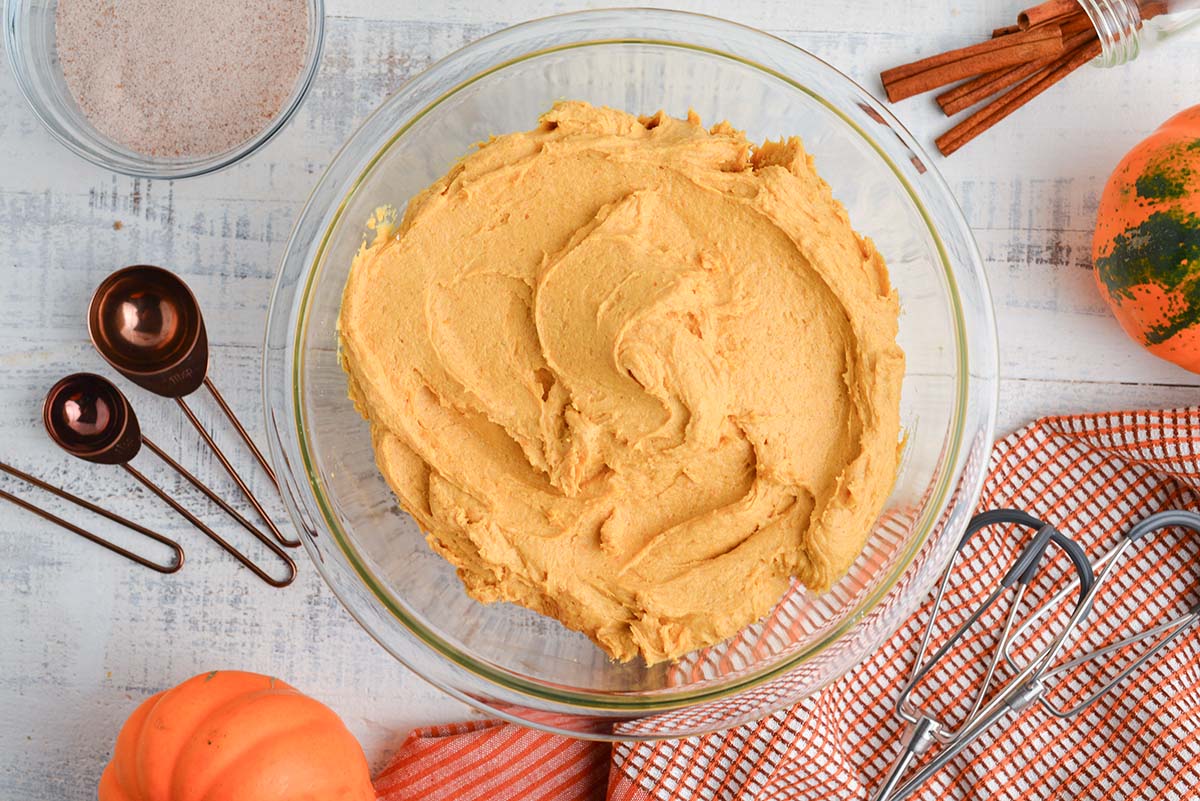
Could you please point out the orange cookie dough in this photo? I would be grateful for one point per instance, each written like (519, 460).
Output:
(632, 374)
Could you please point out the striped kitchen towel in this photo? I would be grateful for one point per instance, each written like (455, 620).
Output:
(1092, 476)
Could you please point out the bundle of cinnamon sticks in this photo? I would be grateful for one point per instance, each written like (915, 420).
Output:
(1019, 62)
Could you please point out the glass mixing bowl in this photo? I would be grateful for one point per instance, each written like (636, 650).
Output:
(509, 661)
(29, 38)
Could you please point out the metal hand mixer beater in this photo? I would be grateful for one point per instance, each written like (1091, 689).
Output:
(926, 729)
(1030, 682)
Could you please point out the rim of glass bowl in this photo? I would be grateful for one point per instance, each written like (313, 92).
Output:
(288, 318)
(73, 131)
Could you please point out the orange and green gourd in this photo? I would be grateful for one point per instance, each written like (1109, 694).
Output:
(233, 736)
(1146, 249)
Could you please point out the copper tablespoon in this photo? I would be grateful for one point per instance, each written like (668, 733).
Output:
(91, 419)
(146, 323)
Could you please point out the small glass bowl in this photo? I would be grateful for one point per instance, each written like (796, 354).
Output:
(514, 663)
(29, 38)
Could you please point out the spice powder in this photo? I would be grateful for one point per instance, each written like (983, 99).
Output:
(181, 78)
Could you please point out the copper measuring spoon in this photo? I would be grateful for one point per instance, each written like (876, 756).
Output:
(169, 567)
(146, 323)
(87, 416)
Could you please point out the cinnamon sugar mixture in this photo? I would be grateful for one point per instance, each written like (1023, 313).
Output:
(181, 78)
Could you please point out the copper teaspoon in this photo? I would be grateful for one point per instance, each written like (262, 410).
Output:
(87, 416)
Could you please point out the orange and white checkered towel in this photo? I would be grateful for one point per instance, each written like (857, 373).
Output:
(1091, 476)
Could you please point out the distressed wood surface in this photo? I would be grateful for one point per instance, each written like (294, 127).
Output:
(84, 635)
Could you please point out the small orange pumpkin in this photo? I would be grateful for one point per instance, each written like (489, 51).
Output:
(1146, 249)
(233, 736)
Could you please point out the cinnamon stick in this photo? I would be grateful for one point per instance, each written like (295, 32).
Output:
(1005, 31)
(1012, 100)
(1077, 22)
(1148, 9)
(967, 94)
(1045, 12)
(956, 65)
(984, 86)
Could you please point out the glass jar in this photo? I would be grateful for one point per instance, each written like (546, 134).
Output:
(1125, 26)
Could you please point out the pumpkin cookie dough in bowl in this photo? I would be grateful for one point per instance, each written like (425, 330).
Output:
(631, 466)
(633, 374)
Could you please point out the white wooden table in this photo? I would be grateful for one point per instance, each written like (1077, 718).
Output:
(84, 635)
